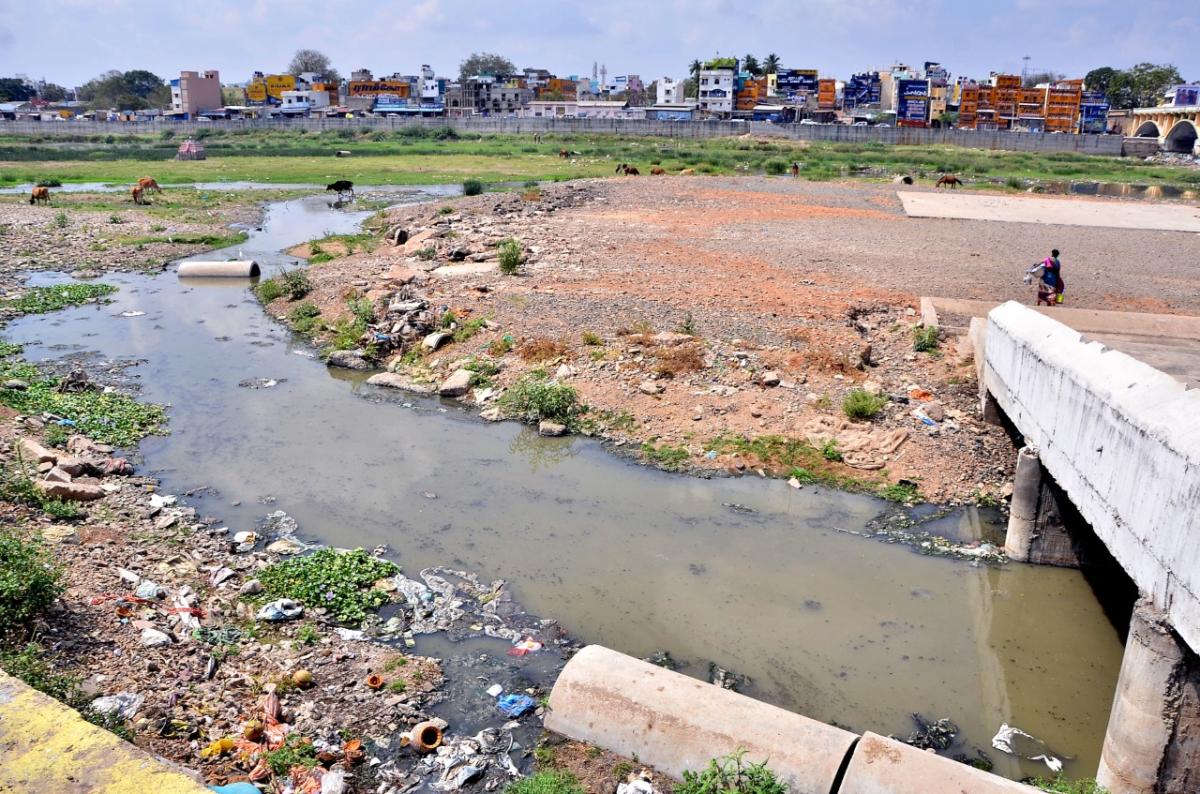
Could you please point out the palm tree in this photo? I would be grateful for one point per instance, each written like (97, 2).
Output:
(695, 68)
(750, 64)
(771, 64)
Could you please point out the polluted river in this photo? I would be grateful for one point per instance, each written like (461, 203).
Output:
(766, 581)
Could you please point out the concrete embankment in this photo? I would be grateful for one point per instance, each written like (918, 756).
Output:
(676, 724)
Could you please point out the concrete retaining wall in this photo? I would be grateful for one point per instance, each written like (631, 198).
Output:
(1121, 438)
(1011, 141)
(678, 724)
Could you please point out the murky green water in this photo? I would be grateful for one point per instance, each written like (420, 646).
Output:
(835, 626)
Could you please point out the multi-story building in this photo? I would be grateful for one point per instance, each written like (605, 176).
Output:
(716, 91)
(486, 95)
(304, 102)
(668, 91)
(195, 92)
(752, 93)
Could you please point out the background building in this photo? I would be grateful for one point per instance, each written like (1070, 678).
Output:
(196, 92)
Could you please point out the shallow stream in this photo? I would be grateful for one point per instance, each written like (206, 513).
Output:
(838, 627)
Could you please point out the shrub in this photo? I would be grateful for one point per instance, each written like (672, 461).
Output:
(339, 582)
(531, 184)
(925, 338)
(167, 135)
(552, 782)
(49, 183)
(472, 187)
(541, 348)
(862, 404)
(426, 254)
(900, 492)
(29, 582)
(688, 325)
(468, 329)
(533, 398)
(677, 360)
(56, 435)
(304, 318)
(830, 452)
(775, 166)
(269, 289)
(1016, 183)
(731, 775)
(501, 346)
(295, 750)
(29, 663)
(295, 284)
(61, 220)
(510, 256)
(591, 339)
(446, 211)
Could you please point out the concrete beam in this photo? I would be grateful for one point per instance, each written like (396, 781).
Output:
(886, 766)
(49, 748)
(677, 724)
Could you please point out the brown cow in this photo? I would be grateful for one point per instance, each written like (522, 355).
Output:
(631, 171)
(564, 154)
(657, 171)
(949, 180)
(138, 198)
(148, 183)
(40, 194)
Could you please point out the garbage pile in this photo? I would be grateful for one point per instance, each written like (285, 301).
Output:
(406, 320)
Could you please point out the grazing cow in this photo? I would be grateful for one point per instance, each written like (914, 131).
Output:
(620, 168)
(564, 154)
(687, 172)
(657, 170)
(137, 192)
(147, 183)
(41, 194)
(795, 170)
(341, 186)
(949, 180)
(631, 171)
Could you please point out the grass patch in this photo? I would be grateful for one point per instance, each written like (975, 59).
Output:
(665, 456)
(541, 348)
(925, 338)
(592, 340)
(307, 634)
(296, 750)
(29, 583)
(550, 782)
(830, 452)
(862, 404)
(899, 492)
(511, 254)
(29, 663)
(108, 418)
(1060, 785)
(305, 318)
(206, 239)
(39, 300)
(339, 582)
(295, 284)
(729, 775)
(534, 398)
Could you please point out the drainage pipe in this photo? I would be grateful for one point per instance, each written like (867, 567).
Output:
(234, 268)
(675, 723)
(885, 766)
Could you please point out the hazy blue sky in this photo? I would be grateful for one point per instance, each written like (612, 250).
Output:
(69, 41)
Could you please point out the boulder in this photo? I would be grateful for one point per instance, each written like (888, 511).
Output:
(769, 379)
(396, 380)
(435, 340)
(548, 428)
(349, 359)
(73, 466)
(33, 452)
(71, 491)
(491, 414)
(153, 638)
(285, 546)
(57, 475)
(650, 387)
(458, 384)
(16, 384)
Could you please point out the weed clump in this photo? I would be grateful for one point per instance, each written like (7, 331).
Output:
(678, 360)
(269, 289)
(295, 284)
(552, 782)
(541, 348)
(591, 339)
(339, 582)
(534, 398)
(29, 663)
(732, 775)
(862, 404)
(511, 254)
(925, 338)
(472, 187)
(29, 583)
(295, 751)
(305, 318)
(665, 456)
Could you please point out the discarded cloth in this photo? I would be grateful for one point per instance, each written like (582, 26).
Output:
(1014, 741)
(860, 447)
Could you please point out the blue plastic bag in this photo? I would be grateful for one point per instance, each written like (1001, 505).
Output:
(515, 705)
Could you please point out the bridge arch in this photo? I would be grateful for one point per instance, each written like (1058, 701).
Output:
(1182, 137)
(1148, 129)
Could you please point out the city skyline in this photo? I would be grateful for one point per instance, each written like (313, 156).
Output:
(71, 41)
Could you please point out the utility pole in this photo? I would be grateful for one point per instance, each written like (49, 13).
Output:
(1024, 69)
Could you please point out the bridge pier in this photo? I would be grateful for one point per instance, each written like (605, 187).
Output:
(1035, 529)
(1152, 745)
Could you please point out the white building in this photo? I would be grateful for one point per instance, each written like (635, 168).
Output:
(716, 92)
(301, 103)
(668, 92)
(582, 110)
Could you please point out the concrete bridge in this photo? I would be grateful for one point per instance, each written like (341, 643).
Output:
(1176, 128)
(1120, 440)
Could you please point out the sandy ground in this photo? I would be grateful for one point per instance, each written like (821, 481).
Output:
(1058, 212)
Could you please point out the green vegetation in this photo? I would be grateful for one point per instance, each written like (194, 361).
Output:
(108, 418)
(469, 328)
(925, 338)
(592, 340)
(665, 456)
(900, 492)
(1060, 785)
(61, 220)
(39, 300)
(295, 284)
(206, 239)
(426, 254)
(862, 404)
(295, 751)
(29, 663)
(484, 368)
(472, 187)
(307, 634)
(339, 582)
(305, 318)
(830, 452)
(334, 246)
(551, 782)
(534, 397)
(29, 583)
(510, 256)
(420, 156)
(731, 775)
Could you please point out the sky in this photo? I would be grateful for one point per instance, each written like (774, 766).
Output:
(71, 41)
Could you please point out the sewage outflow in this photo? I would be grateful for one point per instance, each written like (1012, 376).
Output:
(748, 574)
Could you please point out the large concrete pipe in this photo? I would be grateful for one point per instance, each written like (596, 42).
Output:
(676, 723)
(234, 268)
(885, 766)
(1023, 510)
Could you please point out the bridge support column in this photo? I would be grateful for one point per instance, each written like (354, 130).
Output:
(1035, 530)
(1152, 745)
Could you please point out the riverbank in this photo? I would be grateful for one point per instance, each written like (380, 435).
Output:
(436, 155)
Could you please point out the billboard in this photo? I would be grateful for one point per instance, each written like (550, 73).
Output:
(363, 88)
(1187, 95)
(270, 88)
(1093, 113)
(795, 84)
(912, 108)
(827, 93)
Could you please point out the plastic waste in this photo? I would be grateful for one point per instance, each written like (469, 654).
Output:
(159, 501)
(153, 638)
(283, 609)
(245, 540)
(525, 646)
(637, 784)
(515, 705)
(1014, 741)
(148, 589)
(236, 788)
(333, 782)
(123, 704)
(495, 690)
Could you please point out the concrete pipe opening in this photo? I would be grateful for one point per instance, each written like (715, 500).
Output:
(234, 268)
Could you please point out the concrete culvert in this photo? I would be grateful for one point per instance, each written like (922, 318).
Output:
(902, 180)
(235, 268)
